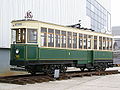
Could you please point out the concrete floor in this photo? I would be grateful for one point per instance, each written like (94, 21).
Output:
(108, 82)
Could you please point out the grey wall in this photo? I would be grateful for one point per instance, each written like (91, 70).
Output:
(116, 43)
(4, 60)
(116, 30)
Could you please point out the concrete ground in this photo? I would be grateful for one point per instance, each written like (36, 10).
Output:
(108, 82)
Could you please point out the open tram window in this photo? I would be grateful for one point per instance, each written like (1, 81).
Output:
(85, 41)
(50, 37)
(57, 38)
(107, 43)
(74, 40)
(63, 37)
(20, 35)
(95, 42)
(104, 43)
(100, 43)
(43, 36)
(80, 41)
(69, 41)
(89, 41)
(32, 35)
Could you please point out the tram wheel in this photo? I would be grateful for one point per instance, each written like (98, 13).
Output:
(98, 68)
(31, 69)
(82, 69)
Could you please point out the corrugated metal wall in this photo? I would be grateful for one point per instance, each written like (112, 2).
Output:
(64, 12)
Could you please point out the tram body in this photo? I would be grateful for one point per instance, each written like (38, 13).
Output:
(42, 47)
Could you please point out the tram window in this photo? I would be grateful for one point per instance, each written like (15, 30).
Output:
(89, 42)
(80, 40)
(50, 38)
(107, 43)
(111, 43)
(18, 33)
(95, 42)
(100, 43)
(57, 38)
(20, 36)
(69, 41)
(13, 36)
(85, 41)
(43, 36)
(104, 43)
(63, 37)
(74, 40)
(32, 35)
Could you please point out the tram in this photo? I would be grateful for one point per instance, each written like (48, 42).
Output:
(43, 47)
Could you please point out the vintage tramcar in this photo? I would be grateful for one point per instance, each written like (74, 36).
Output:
(43, 47)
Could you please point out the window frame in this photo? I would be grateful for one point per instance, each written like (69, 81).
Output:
(28, 41)
(51, 37)
(44, 37)
(58, 40)
(63, 39)
(69, 39)
(21, 35)
(74, 40)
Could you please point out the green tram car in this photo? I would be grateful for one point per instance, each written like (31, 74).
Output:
(43, 47)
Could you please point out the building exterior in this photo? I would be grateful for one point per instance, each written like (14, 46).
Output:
(116, 34)
(94, 14)
(4, 59)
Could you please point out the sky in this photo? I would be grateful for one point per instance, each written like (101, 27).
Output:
(115, 12)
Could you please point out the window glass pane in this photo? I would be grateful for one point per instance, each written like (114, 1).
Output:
(85, 41)
(89, 41)
(111, 42)
(50, 38)
(43, 36)
(80, 40)
(13, 36)
(69, 41)
(104, 43)
(97, 12)
(74, 40)
(57, 38)
(18, 35)
(107, 43)
(95, 42)
(100, 43)
(63, 37)
(32, 35)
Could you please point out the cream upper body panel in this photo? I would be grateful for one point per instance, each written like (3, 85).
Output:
(38, 24)
(25, 24)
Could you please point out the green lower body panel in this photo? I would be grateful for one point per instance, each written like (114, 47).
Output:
(26, 52)
(88, 57)
(52, 54)
(102, 55)
(33, 53)
(82, 56)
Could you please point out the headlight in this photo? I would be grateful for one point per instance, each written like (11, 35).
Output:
(17, 51)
